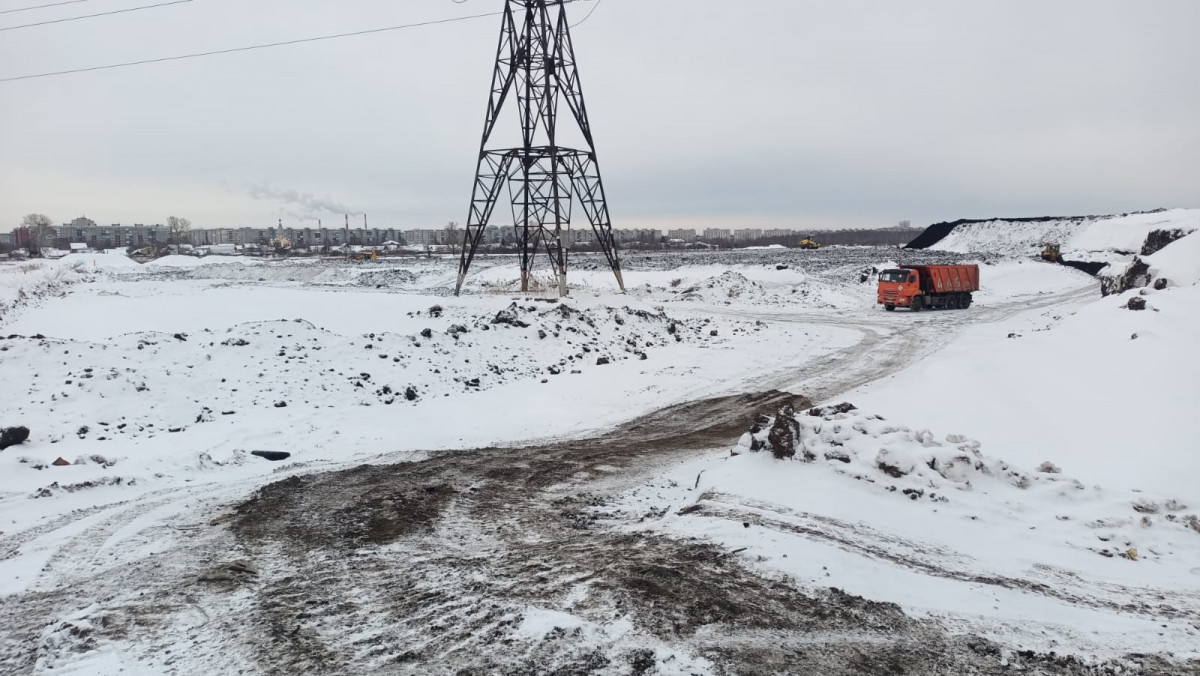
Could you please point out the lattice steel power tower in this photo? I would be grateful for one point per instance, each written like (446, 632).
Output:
(535, 65)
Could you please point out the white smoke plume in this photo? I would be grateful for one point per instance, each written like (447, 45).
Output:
(307, 204)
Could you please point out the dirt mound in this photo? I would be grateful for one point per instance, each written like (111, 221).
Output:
(11, 436)
(726, 288)
(386, 278)
(1135, 276)
(1158, 239)
(906, 460)
(296, 510)
(1093, 268)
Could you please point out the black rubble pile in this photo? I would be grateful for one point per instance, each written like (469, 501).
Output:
(12, 436)
(1136, 276)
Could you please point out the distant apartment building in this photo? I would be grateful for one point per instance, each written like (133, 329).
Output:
(777, 233)
(85, 231)
(684, 234)
(424, 237)
(717, 234)
(747, 234)
(581, 236)
(297, 237)
(638, 235)
(8, 240)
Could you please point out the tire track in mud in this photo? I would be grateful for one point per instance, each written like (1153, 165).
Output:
(515, 534)
(519, 529)
(926, 560)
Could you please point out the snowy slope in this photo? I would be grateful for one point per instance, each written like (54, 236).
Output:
(933, 522)
(1009, 238)
(1178, 262)
(1106, 392)
(1128, 233)
(1077, 236)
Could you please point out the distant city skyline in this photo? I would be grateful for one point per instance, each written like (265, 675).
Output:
(357, 222)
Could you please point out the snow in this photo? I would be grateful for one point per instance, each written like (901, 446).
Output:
(1010, 238)
(1007, 280)
(1082, 238)
(962, 536)
(177, 261)
(1128, 233)
(1178, 262)
(1083, 389)
(177, 370)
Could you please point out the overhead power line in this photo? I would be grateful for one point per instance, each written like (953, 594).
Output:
(250, 48)
(268, 45)
(53, 4)
(93, 16)
(589, 14)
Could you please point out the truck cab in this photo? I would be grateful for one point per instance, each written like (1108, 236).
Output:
(897, 288)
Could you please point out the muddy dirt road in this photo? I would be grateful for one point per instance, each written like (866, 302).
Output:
(490, 561)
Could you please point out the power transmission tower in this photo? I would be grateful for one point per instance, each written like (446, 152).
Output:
(535, 65)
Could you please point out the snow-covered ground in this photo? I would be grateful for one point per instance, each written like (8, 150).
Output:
(155, 383)
(1035, 478)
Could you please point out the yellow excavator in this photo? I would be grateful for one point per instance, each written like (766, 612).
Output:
(809, 243)
(1052, 252)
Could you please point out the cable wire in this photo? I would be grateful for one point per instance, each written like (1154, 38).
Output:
(250, 48)
(53, 4)
(267, 45)
(589, 14)
(93, 16)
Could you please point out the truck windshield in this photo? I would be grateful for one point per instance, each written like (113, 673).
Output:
(893, 275)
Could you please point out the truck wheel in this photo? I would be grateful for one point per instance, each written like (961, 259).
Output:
(952, 302)
(889, 308)
(966, 301)
(916, 304)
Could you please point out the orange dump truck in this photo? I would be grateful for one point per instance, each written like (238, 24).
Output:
(928, 286)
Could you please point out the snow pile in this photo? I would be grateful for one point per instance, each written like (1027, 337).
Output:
(1178, 262)
(1012, 238)
(76, 390)
(26, 285)
(1128, 234)
(928, 520)
(180, 261)
(727, 288)
(1022, 279)
(869, 448)
(1081, 238)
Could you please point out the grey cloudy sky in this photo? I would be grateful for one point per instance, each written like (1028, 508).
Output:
(770, 113)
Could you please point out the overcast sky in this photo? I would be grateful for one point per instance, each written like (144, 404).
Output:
(738, 113)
